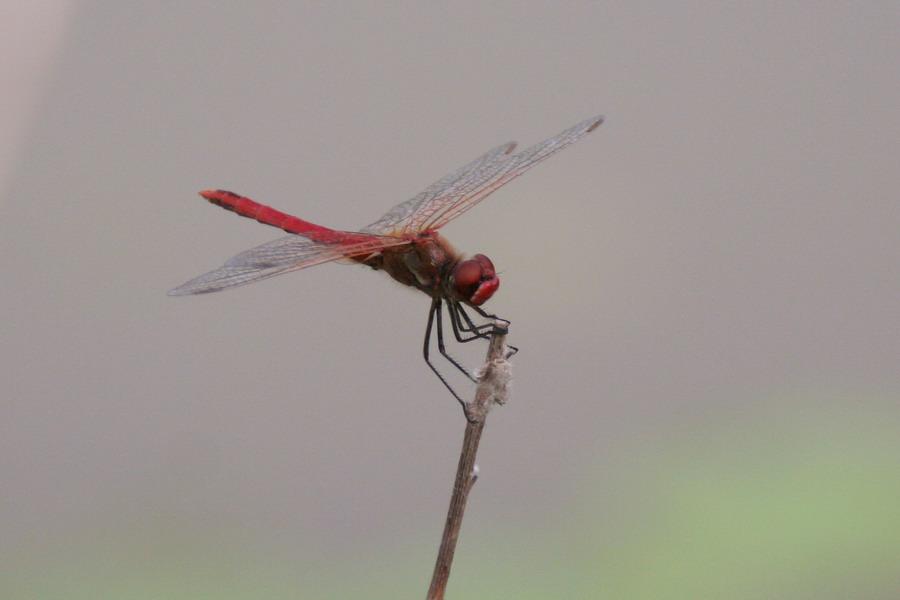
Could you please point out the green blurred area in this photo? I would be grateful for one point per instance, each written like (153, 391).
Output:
(793, 497)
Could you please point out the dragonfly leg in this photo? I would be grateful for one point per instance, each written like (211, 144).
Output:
(440, 339)
(435, 314)
(463, 324)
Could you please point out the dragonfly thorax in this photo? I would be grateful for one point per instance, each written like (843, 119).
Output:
(429, 263)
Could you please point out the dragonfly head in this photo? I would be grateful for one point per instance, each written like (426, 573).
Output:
(474, 280)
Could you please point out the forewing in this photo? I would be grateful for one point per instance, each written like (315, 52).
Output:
(280, 256)
(401, 213)
(462, 189)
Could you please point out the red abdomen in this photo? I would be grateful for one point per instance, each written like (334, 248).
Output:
(251, 209)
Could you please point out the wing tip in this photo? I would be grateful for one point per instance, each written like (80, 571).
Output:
(598, 121)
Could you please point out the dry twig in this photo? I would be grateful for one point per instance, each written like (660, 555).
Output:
(493, 388)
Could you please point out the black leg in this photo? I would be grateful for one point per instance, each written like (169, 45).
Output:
(440, 337)
(435, 313)
(463, 325)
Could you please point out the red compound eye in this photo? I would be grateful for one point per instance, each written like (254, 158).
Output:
(468, 273)
(474, 280)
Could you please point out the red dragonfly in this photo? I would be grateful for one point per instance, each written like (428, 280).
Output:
(404, 243)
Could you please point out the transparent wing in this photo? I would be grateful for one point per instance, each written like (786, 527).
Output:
(280, 256)
(404, 210)
(462, 189)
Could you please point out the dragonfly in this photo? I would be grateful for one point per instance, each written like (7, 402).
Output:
(404, 243)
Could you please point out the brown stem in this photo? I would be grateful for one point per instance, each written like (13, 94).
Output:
(493, 388)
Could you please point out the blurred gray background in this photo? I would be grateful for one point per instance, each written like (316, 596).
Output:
(705, 292)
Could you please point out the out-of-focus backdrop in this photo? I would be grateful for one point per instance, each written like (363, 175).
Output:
(705, 292)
